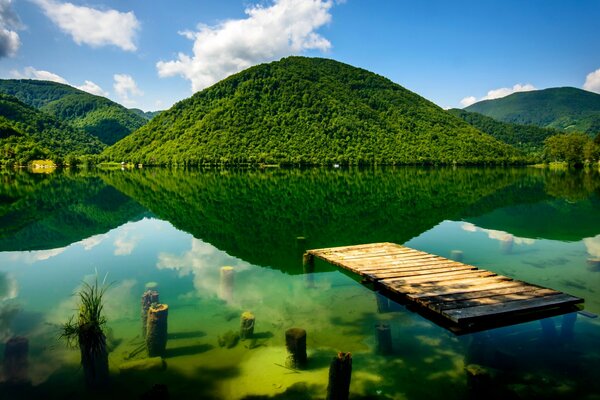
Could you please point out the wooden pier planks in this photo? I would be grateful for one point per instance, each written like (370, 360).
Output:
(461, 293)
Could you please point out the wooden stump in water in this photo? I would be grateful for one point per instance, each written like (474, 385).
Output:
(308, 267)
(226, 288)
(247, 325)
(295, 342)
(16, 362)
(148, 298)
(457, 255)
(156, 330)
(340, 373)
(384, 338)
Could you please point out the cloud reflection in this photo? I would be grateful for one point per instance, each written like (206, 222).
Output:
(497, 235)
(592, 245)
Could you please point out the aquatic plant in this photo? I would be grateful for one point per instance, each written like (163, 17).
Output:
(85, 330)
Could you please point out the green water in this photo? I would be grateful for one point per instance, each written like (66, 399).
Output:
(178, 228)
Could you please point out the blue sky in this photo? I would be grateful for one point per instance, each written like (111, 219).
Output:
(150, 54)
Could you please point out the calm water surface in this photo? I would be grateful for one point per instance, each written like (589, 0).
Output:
(177, 229)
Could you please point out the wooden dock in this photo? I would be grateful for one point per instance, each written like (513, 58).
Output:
(462, 294)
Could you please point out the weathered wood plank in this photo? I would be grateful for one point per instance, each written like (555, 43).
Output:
(395, 273)
(491, 282)
(366, 265)
(441, 277)
(464, 315)
(489, 300)
(479, 293)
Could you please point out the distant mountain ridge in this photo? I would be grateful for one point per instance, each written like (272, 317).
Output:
(303, 110)
(26, 133)
(565, 108)
(96, 115)
(528, 138)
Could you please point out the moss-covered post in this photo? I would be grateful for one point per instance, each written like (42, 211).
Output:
(156, 330)
(247, 325)
(295, 342)
(226, 287)
(148, 298)
(16, 363)
(384, 338)
(340, 373)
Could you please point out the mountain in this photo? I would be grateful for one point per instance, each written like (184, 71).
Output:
(307, 111)
(96, 115)
(528, 138)
(27, 133)
(564, 108)
(145, 114)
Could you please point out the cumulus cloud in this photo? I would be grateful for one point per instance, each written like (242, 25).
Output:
(592, 81)
(498, 93)
(92, 26)
(125, 87)
(9, 24)
(92, 88)
(266, 34)
(32, 73)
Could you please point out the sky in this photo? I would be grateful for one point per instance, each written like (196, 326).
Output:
(151, 54)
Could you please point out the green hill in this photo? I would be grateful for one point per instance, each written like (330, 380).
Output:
(27, 133)
(528, 138)
(307, 111)
(565, 108)
(96, 115)
(145, 114)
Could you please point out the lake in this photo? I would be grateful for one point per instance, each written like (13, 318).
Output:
(173, 230)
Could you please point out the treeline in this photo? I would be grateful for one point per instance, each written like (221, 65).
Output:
(573, 148)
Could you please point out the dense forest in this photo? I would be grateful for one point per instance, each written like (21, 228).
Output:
(308, 111)
(565, 108)
(27, 134)
(527, 138)
(95, 115)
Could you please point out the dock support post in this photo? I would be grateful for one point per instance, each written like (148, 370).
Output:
(308, 267)
(156, 331)
(548, 330)
(340, 374)
(148, 298)
(384, 338)
(383, 303)
(457, 255)
(567, 326)
(226, 286)
(247, 325)
(15, 359)
(295, 342)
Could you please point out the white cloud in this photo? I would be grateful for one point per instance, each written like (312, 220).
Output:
(593, 246)
(31, 257)
(592, 81)
(125, 87)
(92, 26)
(467, 101)
(268, 33)
(498, 93)
(93, 241)
(9, 23)
(92, 88)
(32, 73)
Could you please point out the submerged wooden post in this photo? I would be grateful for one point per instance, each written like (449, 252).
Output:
(383, 303)
(226, 288)
(148, 298)
(457, 255)
(506, 243)
(16, 362)
(295, 342)
(384, 338)
(568, 325)
(308, 267)
(247, 325)
(340, 373)
(548, 330)
(593, 264)
(156, 331)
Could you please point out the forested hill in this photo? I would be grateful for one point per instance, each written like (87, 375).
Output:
(564, 108)
(528, 138)
(307, 111)
(27, 133)
(96, 115)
